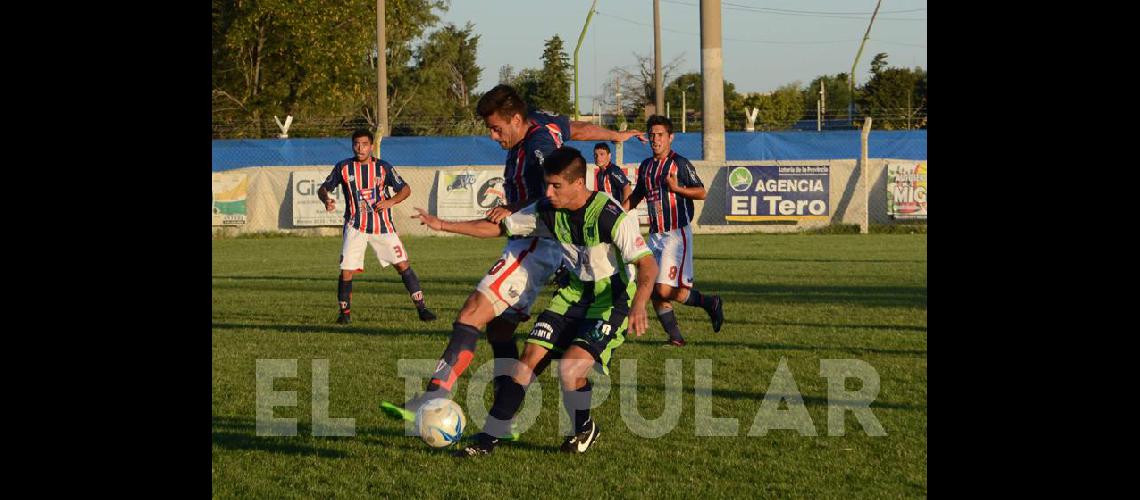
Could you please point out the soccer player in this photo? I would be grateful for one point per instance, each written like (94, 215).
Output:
(668, 183)
(586, 319)
(609, 177)
(364, 180)
(503, 298)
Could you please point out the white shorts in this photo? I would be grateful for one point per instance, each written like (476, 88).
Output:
(674, 253)
(520, 273)
(388, 248)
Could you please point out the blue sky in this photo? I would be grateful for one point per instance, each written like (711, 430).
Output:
(812, 37)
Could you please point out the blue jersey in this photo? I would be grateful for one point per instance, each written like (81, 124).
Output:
(522, 178)
(667, 210)
(611, 180)
(364, 185)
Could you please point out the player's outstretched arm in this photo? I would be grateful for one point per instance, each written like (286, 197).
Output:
(646, 275)
(478, 228)
(586, 131)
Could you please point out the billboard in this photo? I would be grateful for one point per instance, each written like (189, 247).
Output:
(777, 193)
(906, 190)
(229, 198)
(468, 195)
(307, 207)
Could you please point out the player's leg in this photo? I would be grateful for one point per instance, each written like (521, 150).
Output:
(511, 392)
(351, 261)
(685, 293)
(389, 249)
(594, 343)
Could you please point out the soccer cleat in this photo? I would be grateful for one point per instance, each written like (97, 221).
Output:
(343, 319)
(484, 444)
(407, 411)
(674, 343)
(426, 314)
(717, 313)
(397, 412)
(582, 441)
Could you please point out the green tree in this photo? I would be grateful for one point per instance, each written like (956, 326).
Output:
(445, 72)
(894, 97)
(554, 80)
(313, 60)
(693, 86)
(837, 96)
(779, 110)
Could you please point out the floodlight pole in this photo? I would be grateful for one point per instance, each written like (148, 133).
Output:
(381, 74)
(851, 103)
(581, 37)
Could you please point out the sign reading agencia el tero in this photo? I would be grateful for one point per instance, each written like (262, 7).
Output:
(777, 193)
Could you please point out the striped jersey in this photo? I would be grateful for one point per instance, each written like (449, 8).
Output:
(522, 178)
(364, 185)
(667, 210)
(611, 180)
(600, 241)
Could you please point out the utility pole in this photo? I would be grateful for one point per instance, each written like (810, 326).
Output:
(822, 101)
(684, 115)
(381, 75)
(581, 37)
(851, 105)
(712, 78)
(658, 78)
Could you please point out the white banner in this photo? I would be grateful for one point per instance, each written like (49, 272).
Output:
(468, 194)
(307, 207)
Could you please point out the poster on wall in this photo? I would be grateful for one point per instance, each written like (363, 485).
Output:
(468, 194)
(229, 198)
(777, 193)
(906, 190)
(307, 207)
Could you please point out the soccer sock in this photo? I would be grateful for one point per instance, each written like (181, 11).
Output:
(344, 294)
(412, 283)
(505, 351)
(578, 405)
(697, 300)
(669, 322)
(460, 350)
(508, 399)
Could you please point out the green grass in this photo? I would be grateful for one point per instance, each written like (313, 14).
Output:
(798, 298)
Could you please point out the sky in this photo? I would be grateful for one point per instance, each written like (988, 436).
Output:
(766, 44)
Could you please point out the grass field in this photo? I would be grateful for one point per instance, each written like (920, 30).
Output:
(797, 298)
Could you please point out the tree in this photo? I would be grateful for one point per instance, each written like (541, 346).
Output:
(445, 72)
(308, 59)
(693, 85)
(779, 110)
(554, 80)
(506, 74)
(637, 84)
(894, 97)
(837, 95)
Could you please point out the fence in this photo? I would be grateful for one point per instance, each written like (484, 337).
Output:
(853, 198)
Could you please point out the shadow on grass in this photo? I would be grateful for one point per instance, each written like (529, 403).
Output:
(235, 433)
(872, 296)
(911, 328)
(815, 401)
(339, 329)
(762, 258)
(769, 346)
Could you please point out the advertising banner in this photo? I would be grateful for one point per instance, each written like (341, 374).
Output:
(468, 194)
(777, 193)
(307, 207)
(906, 190)
(229, 198)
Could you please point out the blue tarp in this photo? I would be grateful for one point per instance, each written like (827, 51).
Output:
(435, 151)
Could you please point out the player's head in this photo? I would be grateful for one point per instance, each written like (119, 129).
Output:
(660, 131)
(565, 175)
(362, 144)
(601, 154)
(504, 114)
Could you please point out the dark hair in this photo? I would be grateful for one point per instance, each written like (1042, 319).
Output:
(362, 132)
(659, 120)
(502, 100)
(602, 145)
(567, 162)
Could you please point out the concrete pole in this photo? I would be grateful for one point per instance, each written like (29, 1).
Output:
(381, 75)
(683, 113)
(864, 215)
(712, 78)
(658, 78)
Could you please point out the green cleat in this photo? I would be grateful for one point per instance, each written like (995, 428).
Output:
(397, 412)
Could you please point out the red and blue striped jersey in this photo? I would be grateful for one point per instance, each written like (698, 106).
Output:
(667, 210)
(364, 185)
(522, 176)
(611, 180)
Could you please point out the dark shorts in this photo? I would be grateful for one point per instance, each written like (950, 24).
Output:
(599, 337)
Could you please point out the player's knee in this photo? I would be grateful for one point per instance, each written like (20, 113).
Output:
(477, 311)
(528, 361)
(663, 292)
(401, 266)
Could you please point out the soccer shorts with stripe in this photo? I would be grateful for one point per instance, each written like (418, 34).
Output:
(599, 328)
(513, 282)
(387, 246)
(673, 251)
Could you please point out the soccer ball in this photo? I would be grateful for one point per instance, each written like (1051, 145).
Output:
(440, 422)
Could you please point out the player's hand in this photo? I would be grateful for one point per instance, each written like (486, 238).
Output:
(497, 214)
(382, 204)
(638, 321)
(624, 135)
(671, 183)
(428, 220)
(330, 204)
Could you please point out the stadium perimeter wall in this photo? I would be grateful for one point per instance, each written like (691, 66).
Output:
(269, 199)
